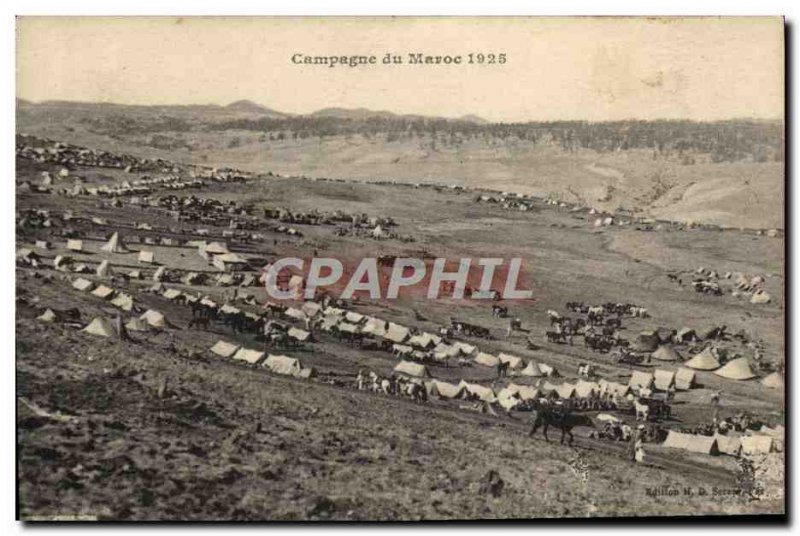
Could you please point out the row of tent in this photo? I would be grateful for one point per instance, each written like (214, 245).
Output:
(663, 380)
(404, 343)
(118, 299)
(512, 392)
(103, 327)
(765, 442)
(737, 369)
(279, 364)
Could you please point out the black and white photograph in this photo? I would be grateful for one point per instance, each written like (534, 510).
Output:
(392, 269)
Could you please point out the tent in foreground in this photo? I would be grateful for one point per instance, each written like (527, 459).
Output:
(281, 364)
(100, 326)
(774, 381)
(757, 444)
(705, 360)
(730, 445)
(738, 369)
(692, 442)
(409, 368)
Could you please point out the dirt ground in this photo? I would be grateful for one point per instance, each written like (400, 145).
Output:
(159, 428)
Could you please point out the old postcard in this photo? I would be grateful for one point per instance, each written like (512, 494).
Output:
(392, 269)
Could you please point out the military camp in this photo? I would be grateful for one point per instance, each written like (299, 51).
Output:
(168, 381)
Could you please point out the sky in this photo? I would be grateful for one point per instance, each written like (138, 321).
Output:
(599, 68)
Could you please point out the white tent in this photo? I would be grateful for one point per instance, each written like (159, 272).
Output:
(684, 379)
(155, 319)
(663, 379)
(82, 284)
(487, 360)
(410, 368)
(100, 326)
(224, 349)
(705, 360)
(281, 364)
(104, 269)
(114, 245)
(692, 442)
(533, 370)
(774, 381)
(513, 361)
(103, 292)
(147, 257)
(641, 380)
(738, 369)
(251, 356)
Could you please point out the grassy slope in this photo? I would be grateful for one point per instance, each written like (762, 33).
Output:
(731, 194)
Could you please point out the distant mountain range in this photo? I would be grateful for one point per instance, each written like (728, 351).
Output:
(240, 107)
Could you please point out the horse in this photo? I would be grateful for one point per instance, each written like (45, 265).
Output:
(203, 322)
(416, 392)
(563, 421)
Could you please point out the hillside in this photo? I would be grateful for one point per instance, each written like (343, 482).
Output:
(727, 173)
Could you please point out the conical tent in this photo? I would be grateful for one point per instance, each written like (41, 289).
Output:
(705, 360)
(104, 269)
(533, 370)
(666, 353)
(47, 316)
(100, 326)
(738, 369)
(160, 273)
(774, 381)
(115, 245)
